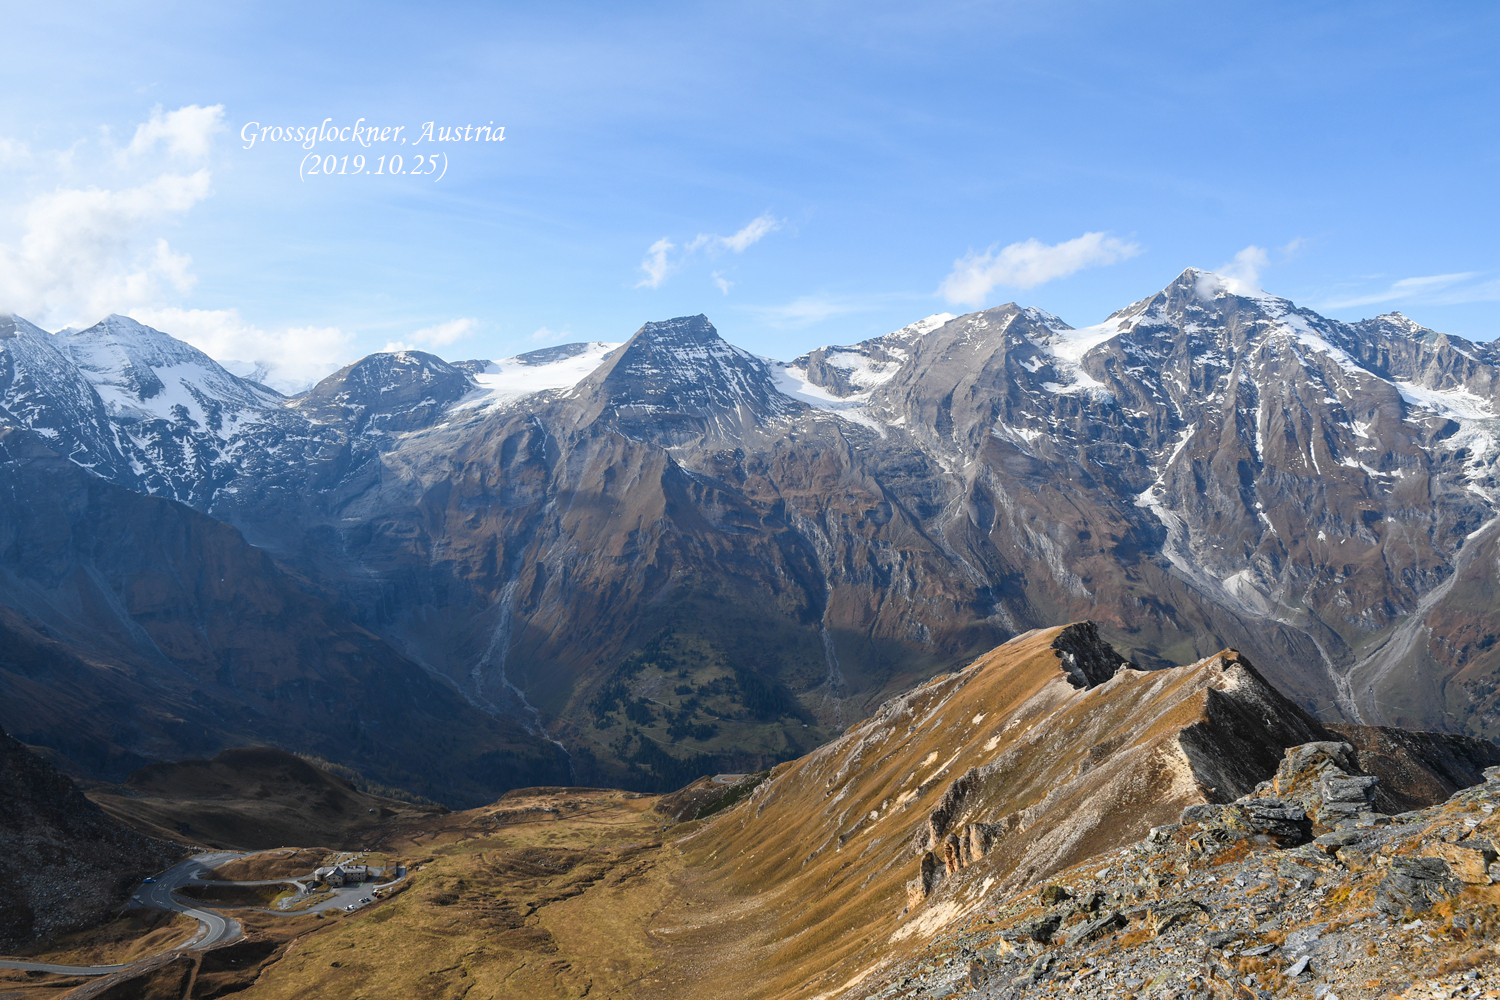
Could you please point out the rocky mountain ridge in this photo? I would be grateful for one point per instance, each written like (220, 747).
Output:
(674, 557)
(987, 782)
(1311, 892)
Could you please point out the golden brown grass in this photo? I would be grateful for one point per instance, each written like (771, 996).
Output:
(580, 903)
(134, 935)
(281, 863)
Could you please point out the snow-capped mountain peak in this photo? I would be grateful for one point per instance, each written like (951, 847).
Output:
(683, 368)
(142, 373)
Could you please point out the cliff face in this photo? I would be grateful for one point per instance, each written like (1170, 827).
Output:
(65, 864)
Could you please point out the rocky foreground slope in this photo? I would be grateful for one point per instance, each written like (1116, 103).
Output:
(1300, 889)
(1044, 753)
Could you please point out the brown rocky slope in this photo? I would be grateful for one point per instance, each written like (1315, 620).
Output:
(1043, 753)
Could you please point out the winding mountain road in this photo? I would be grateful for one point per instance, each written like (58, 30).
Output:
(213, 928)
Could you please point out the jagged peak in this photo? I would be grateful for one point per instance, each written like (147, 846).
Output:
(1211, 286)
(1042, 317)
(1085, 657)
(1402, 322)
(389, 391)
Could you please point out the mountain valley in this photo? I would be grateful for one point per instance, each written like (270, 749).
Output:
(634, 564)
(905, 858)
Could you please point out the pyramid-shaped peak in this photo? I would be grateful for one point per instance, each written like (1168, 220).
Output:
(682, 333)
(122, 330)
(678, 347)
(683, 367)
(1209, 287)
(690, 326)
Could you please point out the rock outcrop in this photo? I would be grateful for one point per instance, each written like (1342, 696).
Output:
(1380, 906)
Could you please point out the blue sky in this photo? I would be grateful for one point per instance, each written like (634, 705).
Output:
(808, 172)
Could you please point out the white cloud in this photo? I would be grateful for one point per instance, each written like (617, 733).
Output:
(81, 253)
(658, 264)
(443, 334)
(437, 335)
(655, 265)
(289, 359)
(754, 231)
(1241, 276)
(1437, 288)
(188, 132)
(546, 336)
(1028, 264)
(85, 252)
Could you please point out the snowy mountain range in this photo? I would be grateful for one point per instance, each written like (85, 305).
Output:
(669, 554)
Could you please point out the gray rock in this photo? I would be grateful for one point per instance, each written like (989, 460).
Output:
(1039, 930)
(1098, 927)
(1038, 969)
(1358, 788)
(1089, 902)
(1331, 842)
(1273, 809)
(1415, 884)
(1200, 813)
(1219, 939)
(1302, 940)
